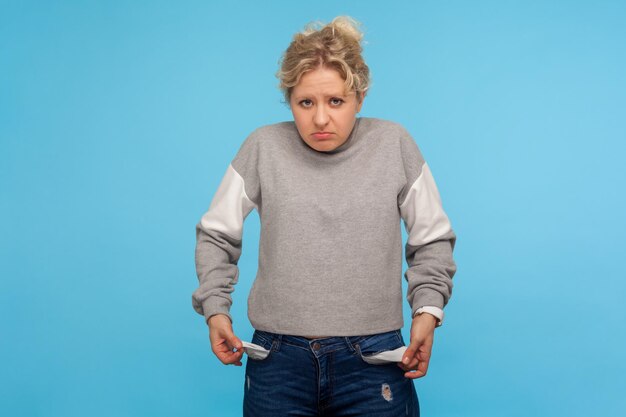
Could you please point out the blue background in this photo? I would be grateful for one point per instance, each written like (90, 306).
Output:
(118, 120)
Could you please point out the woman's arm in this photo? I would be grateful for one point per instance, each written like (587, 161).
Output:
(218, 246)
(429, 248)
(431, 240)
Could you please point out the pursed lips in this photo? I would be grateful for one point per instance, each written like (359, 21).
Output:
(322, 135)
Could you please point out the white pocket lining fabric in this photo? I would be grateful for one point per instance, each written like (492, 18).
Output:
(255, 351)
(387, 356)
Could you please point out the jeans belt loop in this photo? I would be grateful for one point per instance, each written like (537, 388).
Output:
(277, 342)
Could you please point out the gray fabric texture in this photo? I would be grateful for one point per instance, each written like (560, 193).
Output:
(330, 253)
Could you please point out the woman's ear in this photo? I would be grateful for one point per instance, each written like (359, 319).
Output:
(360, 102)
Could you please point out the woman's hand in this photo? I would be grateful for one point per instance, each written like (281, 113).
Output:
(417, 355)
(223, 340)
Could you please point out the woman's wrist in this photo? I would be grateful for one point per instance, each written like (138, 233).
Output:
(426, 317)
(217, 318)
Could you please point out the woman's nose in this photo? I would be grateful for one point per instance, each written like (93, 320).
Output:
(321, 116)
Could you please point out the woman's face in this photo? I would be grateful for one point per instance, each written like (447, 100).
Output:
(324, 114)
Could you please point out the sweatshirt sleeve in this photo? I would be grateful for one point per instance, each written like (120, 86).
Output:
(219, 234)
(430, 241)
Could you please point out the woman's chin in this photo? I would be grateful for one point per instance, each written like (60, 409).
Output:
(322, 145)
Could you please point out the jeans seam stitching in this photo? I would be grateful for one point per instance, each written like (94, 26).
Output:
(399, 336)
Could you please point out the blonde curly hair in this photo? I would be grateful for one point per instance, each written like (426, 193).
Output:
(335, 45)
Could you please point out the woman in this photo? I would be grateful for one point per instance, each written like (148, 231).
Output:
(330, 189)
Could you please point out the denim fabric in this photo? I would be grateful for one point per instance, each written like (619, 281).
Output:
(327, 377)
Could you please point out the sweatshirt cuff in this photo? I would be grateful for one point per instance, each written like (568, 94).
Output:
(210, 309)
(435, 311)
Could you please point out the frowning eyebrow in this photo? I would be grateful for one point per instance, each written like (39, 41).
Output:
(341, 95)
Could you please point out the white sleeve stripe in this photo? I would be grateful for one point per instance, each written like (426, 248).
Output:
(422, 212)
(229, 207)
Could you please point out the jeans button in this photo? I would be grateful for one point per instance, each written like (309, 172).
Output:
(316, 346)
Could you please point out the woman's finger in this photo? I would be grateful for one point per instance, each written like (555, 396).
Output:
(422, 366)
(410, 366)
(229, 357)
(414, 374)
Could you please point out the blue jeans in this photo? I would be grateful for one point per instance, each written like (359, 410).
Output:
(327, 377)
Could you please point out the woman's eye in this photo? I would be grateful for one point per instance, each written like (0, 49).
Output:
(306, 103)
(336, 101)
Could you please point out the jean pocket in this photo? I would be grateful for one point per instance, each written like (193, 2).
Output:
(261, 347)
(382, 348)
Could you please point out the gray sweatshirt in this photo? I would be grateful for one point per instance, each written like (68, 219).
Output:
(330, 251)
